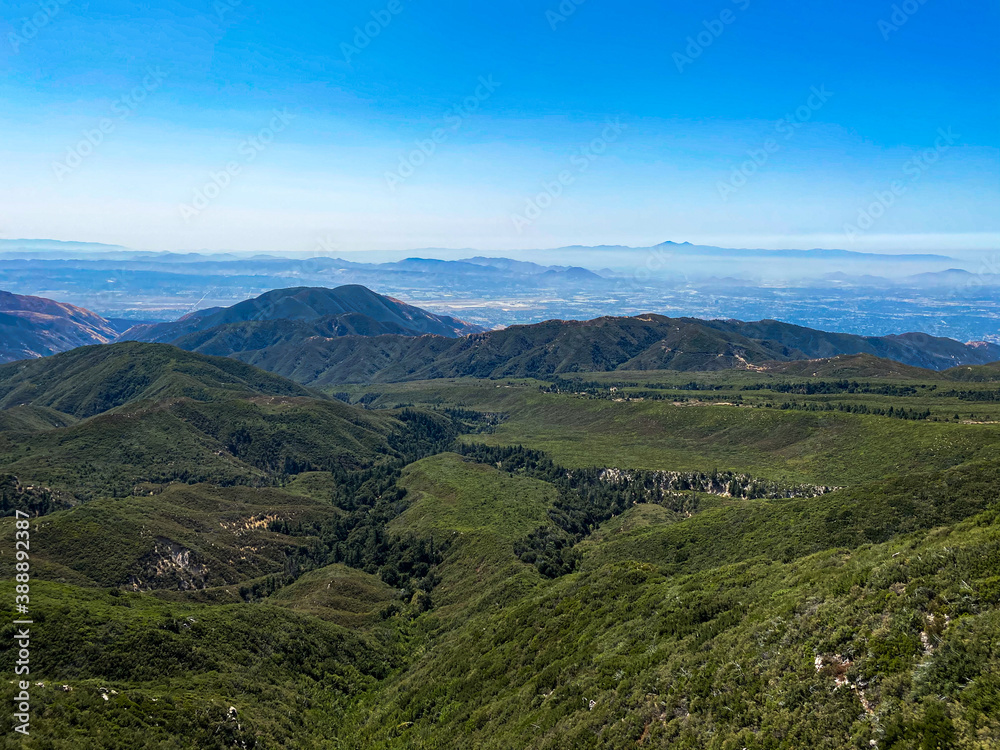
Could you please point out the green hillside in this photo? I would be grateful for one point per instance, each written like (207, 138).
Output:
(153, 414)
(230, 442)
(722, 421)
(988, 373)
(187, 537)
(741, 648)
(339, 594)
(90, 380)
(231, 338)
(856, 366)
(560, 347)
(32, 419)
(141, 672)
(641, 558)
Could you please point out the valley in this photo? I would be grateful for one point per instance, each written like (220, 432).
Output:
(223, 557)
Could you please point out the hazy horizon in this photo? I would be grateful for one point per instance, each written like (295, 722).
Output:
(976, 245)
(264, 128)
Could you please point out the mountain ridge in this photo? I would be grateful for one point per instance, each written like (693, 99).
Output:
(37, 327)
(645, 342)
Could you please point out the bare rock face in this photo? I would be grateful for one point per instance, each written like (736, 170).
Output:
(171, 565)
(32, 327)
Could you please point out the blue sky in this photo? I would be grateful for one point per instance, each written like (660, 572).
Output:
(269, 126)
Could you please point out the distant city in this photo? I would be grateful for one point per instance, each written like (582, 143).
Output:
(861, 293)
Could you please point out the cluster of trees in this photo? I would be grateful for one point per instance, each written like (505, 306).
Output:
(692, 386)
(264, 452)
(606, 391)
(557, 384)
(369, 398)
(476, 422)
(974, 395)
(827, 387)
(892, 411)
(583, 503)
(653, 396)
(659, 486)
(551, 551)
(260, 590)
(34, 500)
(371, 498)
(581, 387)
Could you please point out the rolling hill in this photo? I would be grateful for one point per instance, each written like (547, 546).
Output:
(36, 327)
(104, 420)
(351, 308)
(987, 373)
(854, 366)
(91, 380)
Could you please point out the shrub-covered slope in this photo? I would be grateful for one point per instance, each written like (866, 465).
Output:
(91, 380)
(260, 570)
(647, 342)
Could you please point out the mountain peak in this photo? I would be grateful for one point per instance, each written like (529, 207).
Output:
(312, 304)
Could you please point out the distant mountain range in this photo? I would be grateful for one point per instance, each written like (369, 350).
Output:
(37, 248)
(952, 278)
(709, 251)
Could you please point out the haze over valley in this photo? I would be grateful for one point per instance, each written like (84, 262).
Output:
(862, 293)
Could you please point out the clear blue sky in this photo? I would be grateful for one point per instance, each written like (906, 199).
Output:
(514, 100)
